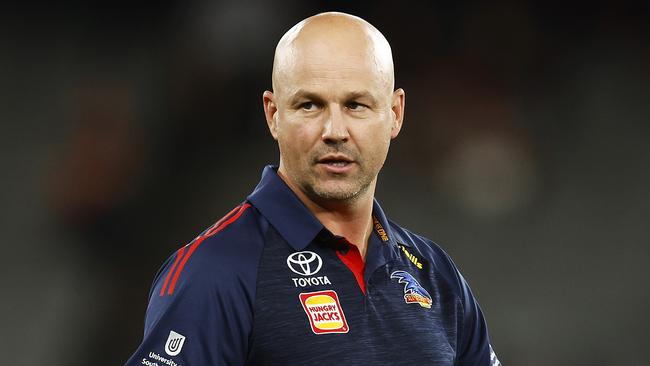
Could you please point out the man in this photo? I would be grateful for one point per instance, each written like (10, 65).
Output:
(308, 269)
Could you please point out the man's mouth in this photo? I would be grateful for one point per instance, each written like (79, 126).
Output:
(335, 161)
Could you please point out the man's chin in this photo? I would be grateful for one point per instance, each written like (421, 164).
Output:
(336, 192)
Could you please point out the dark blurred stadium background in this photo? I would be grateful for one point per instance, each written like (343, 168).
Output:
(129, 127)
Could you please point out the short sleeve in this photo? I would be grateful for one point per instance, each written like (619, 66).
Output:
(202, 317)
(474, 348)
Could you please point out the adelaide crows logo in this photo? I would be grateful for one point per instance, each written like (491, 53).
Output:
(413, 292)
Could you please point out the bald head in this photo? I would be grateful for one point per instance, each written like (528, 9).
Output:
(333, 109)
(336, 40)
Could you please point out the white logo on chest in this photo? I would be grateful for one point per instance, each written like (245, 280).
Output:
(304, 263)
(307, 263)
(311, 281)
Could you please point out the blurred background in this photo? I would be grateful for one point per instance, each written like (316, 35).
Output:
(127, 128)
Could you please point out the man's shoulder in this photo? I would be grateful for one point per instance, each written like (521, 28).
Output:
(229, 248)
(236, 236)
(426, 250)
(418, 242)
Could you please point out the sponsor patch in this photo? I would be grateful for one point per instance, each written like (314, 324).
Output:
(415, 260)
(311, 281)
(156, 357)
(324, 312)
(413, 292)
(304, 263)
(379, 229)
(174, 343)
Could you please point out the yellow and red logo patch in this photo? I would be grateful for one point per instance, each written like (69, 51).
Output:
(324, 312)
(414, 293)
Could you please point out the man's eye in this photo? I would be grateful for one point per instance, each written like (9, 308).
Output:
(308, 106)
(354, 106)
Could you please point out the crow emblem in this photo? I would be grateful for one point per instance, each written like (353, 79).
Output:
(413, 291)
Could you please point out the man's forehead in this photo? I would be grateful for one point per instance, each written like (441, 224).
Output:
(333, 65)
(332, 80)
(323, 64)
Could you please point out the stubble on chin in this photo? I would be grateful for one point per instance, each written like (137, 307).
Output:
(347, 190)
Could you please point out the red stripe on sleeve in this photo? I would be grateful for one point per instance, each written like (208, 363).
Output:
(198, 242)
(179, 255)
(211, 230)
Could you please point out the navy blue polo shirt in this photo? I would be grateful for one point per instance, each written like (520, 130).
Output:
(269, 284)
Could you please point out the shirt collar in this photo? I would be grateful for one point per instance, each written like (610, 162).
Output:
(293, 220)
(282, 208)
(380, 225)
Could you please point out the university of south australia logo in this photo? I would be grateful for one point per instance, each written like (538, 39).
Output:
(304, 263)
(413, 292)
(174, 343)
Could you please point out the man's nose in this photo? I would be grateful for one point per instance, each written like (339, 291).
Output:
(335, 128)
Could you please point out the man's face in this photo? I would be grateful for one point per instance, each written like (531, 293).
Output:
(334, 121)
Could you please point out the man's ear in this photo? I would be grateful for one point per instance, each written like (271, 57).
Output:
(399, 103)
(270, 112)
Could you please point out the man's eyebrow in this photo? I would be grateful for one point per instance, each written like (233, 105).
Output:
(359, 95)
(353, 95)
(305, 94)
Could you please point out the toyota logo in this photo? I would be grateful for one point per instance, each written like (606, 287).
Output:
(304, 263)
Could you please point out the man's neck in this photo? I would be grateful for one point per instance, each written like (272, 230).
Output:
(352, 220)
